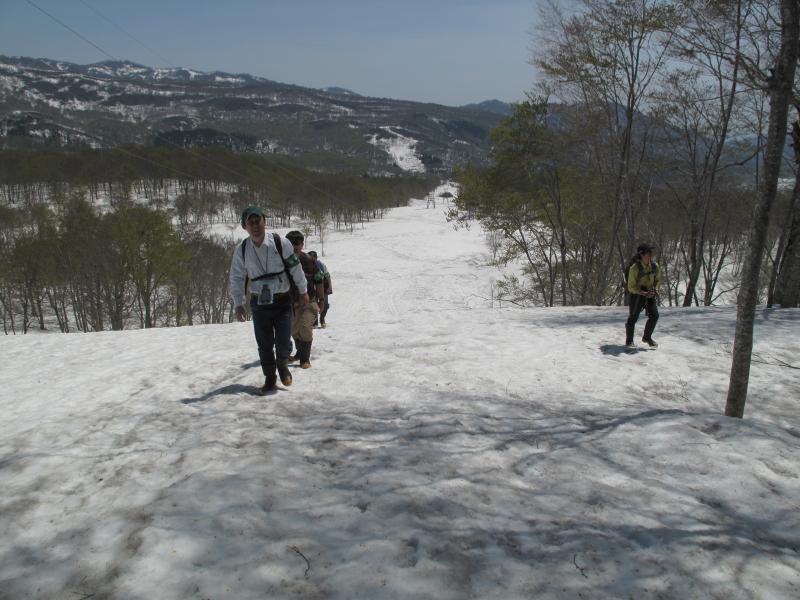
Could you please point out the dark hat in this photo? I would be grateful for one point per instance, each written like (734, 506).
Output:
(312, 253)
(644, 249)
(295, 237)
(251, 210)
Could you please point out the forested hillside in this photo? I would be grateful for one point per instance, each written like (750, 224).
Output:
(659, 134)
(96, 240)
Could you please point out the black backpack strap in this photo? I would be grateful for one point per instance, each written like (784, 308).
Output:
(279, 247)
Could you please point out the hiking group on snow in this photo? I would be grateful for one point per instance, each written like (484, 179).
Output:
(287, 290)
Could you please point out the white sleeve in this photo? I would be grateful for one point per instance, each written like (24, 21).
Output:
(237, 276)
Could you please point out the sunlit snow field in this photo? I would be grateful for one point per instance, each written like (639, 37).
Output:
(439, 448)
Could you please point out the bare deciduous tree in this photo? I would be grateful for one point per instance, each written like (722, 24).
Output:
(779, 86)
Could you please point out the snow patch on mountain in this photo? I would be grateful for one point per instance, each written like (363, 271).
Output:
(224, 79)
(171, 73)
(132, 70)
(401, 149)
(102, 70)
(10, 83)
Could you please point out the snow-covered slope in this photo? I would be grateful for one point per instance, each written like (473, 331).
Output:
(439, 448)
(401, 150)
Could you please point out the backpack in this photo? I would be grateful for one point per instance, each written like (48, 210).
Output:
(279, 247)
(634, 261)
(314, 277)
(626, 271)
(326, 276)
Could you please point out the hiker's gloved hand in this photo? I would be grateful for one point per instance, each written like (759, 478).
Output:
(303, 299)
(241, 314)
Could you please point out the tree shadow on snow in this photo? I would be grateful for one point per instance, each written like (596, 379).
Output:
(620, 522)
(516, 501)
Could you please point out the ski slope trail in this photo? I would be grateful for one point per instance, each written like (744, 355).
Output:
(439, 448)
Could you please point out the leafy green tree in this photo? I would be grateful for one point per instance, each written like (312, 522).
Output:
(538, 194)
(79, 260)
(153, 254)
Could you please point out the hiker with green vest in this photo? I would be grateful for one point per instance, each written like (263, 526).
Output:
(643, 277)
(269, 265)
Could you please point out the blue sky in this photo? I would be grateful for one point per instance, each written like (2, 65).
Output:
(445, 51)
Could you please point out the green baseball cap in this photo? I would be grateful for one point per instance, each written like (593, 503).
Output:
(251, 210)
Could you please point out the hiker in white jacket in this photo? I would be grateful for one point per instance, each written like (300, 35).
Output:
(268, 266)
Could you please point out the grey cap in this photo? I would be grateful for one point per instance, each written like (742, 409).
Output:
(251, 210)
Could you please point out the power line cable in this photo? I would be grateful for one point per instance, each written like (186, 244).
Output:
(200, 156)
(60, 22)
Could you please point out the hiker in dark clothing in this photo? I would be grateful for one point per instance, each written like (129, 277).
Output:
(270, 265)
(327, 284)
(644, 275)
(306, 314)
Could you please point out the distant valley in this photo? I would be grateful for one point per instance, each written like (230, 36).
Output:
(59, 104)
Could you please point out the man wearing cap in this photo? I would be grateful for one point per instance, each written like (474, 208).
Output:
(306, 314)
(269, 264)
(644, 275)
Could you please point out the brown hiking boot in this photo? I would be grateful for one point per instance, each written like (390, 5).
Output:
(305, 365)
(286, 375)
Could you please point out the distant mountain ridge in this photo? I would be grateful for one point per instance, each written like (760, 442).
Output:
(497, 107)
(45, 102)
(340, 90)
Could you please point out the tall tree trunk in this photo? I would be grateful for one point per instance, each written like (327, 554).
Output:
(780, 93)
(787, 284)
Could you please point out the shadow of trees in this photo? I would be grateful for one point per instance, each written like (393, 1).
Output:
(457, 497)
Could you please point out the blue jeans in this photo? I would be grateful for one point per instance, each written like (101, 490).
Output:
(273, 327)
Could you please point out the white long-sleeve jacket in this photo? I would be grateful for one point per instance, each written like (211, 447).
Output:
(260, 260)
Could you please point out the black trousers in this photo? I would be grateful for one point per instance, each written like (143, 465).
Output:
(272, 324)
(324, 310)
(635, 306)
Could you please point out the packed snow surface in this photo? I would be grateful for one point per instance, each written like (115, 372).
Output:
(439, 448)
